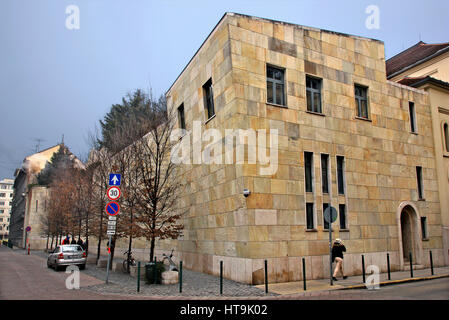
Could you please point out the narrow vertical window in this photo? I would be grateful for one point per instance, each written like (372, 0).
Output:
(181, 117)
(342, 215)
(275, 86)
(309, 214)
(411, 108)
(361, 101)
(341, 174)
(313, 92)
(325, 223)
(37, 203)
(209, 98)
(308, 166)
(446, 136)
(419, 182)
(325, 173)
(424, 228)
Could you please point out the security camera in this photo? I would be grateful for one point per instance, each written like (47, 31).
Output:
(246, 193)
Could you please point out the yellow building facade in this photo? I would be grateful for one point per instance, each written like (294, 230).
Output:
(333, 108)
(426, 67)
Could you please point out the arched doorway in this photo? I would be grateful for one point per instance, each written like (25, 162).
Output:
(409, 229)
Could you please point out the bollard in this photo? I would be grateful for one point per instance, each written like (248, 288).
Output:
(180, 276)
(388, 266)
(221, 277)
(138, 276)
(304, 273)
(266, 277)
(363, 268)
(411, 264)
(431, 262)
(28, 249)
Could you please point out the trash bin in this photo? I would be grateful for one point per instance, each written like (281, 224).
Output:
(150, 272)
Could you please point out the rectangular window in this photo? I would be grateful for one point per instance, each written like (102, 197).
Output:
(325, 223)
(361, 101)
(3, 195)
(424, 228)
(2, 211)
(419, 182)
(209, 98)
(309, 213)
(342, 210)
(411, 108)
(37, 203)
(181, 117)
(341, 174)
(308, 166)
(325, 172)
(313, 91)
(275, 86)
(2, 203)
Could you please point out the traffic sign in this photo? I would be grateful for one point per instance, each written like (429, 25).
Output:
(111, 232)
(112, 208)
(113, 193)
(112, 218)
(330, 214)
(112, 223)
(28, 229)
(115, 179)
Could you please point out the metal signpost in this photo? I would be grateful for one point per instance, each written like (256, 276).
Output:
(112, 209)
(330, 215)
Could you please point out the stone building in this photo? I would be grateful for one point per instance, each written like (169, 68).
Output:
(24, 186)
(343, 140)
(426, 67)
(6, 193)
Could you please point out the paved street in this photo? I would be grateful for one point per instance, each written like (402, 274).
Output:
(27, 277)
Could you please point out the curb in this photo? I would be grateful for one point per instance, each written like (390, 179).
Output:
(392, 282)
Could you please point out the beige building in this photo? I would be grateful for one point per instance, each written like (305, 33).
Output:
(344, 140)
(6, 194)
(426, 66)
(30, 200)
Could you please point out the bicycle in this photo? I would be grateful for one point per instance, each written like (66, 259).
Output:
(172, 265)
(131, 260)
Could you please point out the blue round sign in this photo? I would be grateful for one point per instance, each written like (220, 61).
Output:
(28, 229)
(112, 208)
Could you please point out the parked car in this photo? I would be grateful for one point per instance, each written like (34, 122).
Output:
(65, 255)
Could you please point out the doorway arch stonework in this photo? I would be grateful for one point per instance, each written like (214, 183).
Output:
(410, 215)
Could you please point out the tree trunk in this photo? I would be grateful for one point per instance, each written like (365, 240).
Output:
(112, 251)
(130, 237)
(52, 240)
(99, 236)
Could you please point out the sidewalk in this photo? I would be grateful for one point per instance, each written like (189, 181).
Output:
(354, 282)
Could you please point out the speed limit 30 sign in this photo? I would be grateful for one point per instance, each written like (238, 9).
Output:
(113, 193)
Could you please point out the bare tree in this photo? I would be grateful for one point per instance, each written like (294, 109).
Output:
(159, 187)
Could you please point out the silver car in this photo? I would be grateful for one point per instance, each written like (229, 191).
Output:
(65, 255)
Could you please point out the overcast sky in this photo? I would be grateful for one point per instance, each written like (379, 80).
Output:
(56, 81)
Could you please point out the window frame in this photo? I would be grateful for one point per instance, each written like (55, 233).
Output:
(312, 216)
(324, 220)
(328, 180)
(311, 189)
(274, 82)
(420, 184)
(445, 132)
(181, 116)
(358, 101)
(312, 91)
(424, 230)
(345, 215)
(412, 115)
(208, 97)
(343, 175)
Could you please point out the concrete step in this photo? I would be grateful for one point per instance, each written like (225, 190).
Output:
(415, 267)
